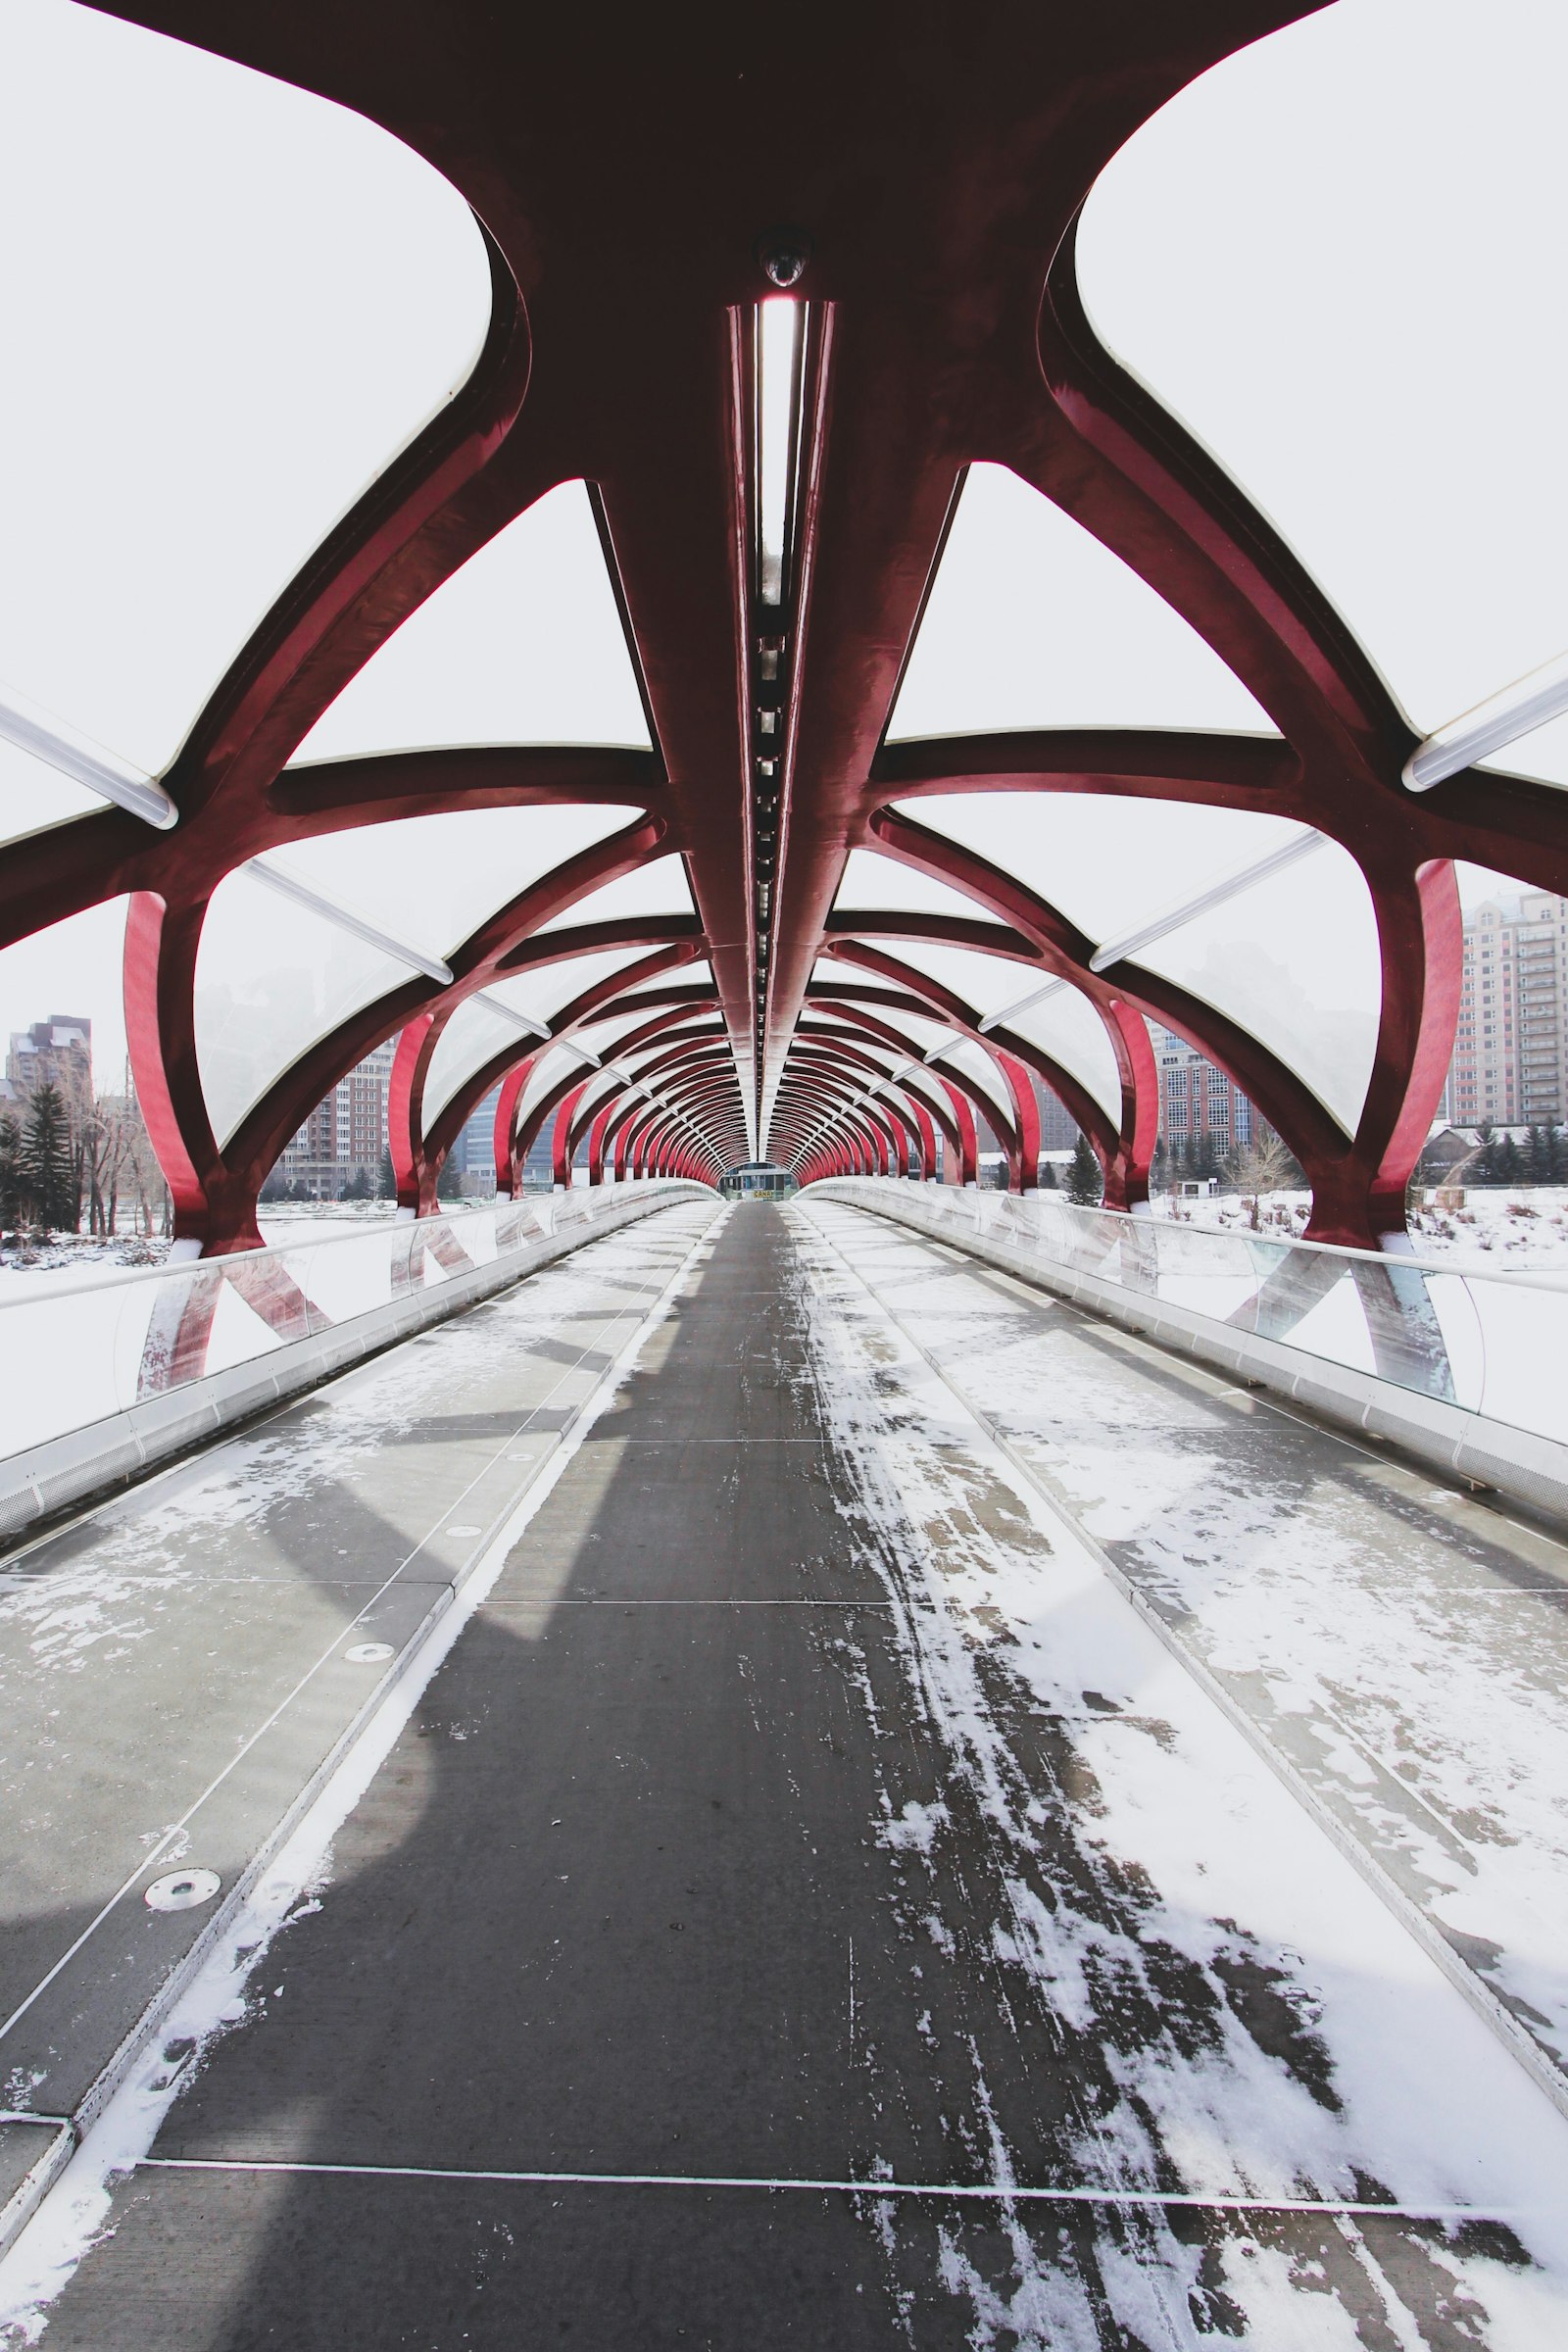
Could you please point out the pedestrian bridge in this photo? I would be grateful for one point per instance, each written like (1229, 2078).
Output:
(656, 637)
(773, 1781)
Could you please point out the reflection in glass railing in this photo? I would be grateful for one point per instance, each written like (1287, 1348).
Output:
(1488, 1343)
(77, 1354)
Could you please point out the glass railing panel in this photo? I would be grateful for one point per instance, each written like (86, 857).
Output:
(1490, 1344)
(76, 1352)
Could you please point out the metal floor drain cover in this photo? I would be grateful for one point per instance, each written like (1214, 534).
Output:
(464, 1531)
(182, 1889)
(368, 1653)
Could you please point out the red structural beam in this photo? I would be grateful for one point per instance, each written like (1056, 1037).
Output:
(947, 329)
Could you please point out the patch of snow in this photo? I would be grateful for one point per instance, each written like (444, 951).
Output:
(1190, 1856)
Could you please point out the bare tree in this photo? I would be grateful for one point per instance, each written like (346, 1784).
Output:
(1262, 1166)
(120, 1163)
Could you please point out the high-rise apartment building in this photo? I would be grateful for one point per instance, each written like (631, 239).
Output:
(1511, 1053)
(344, 1138)
(474, 1151)
(1197, 1099)
(56, 1052)
(1058, 1128)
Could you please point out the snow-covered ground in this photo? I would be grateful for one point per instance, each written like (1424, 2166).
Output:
(1524, 1227)
(65, 1257)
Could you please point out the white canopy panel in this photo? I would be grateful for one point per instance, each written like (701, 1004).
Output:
(975, 1064)
(1296, 961)
(923, 1035)
(680, 975)
(552, 1066)
(523, 644)
(1368, 335)
(603, 1037)
(34, 796)
(271, 978)
(474, 1036)
(1108, 862)
(602, 1085)
(659, 888)
(876, 884)
(1067, 1026)
(1032, 622)
(432, 880)
(984, 981)
(545, 990)
(270, 298)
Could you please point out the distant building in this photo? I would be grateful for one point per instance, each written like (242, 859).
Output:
(1510, 1052)
(58, 1053)
(474, 1151)
(344, 1140)
(1058, 1128)
(1196, 1098)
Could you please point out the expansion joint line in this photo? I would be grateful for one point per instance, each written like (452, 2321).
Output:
(990, 2192)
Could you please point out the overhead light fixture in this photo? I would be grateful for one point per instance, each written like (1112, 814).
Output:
(778, 353)
(787, 346)
(1529, 703)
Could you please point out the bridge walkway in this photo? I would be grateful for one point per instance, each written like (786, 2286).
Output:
(811, 1905)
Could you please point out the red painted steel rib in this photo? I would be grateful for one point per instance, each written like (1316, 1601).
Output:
(950, 331)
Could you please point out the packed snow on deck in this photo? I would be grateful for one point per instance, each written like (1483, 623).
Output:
(1148, 1875)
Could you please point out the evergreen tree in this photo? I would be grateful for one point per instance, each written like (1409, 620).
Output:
(12, 1185)
(1537, 1156)
(1510, 1165)
(49, 1165)
(387, 1188)
(1159, 1167)
(1484, 1169)
(448, 1183)
(1047, 1176)
(1085, 1184)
